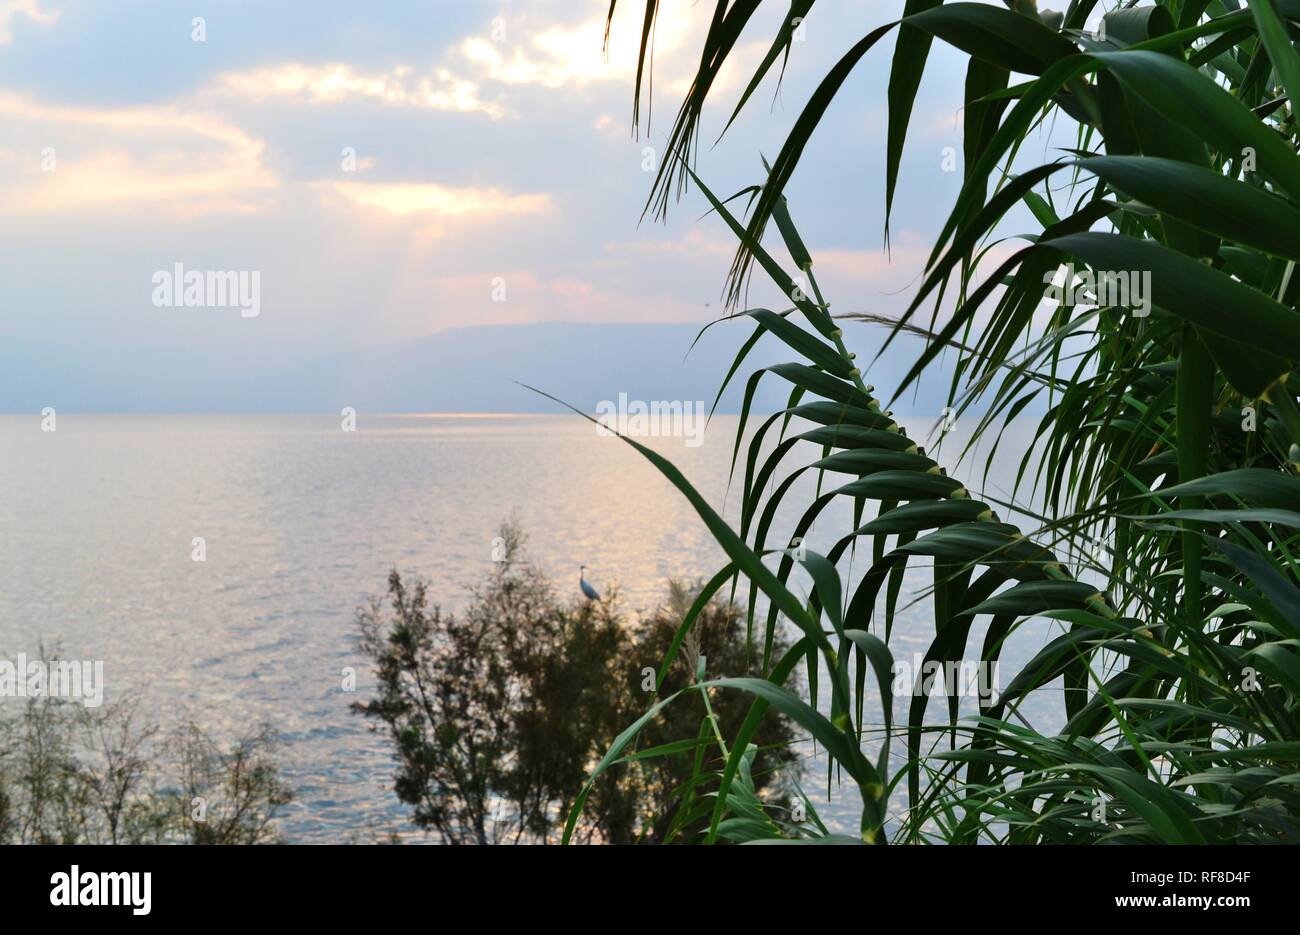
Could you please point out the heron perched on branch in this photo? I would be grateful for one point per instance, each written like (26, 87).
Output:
(588, 591)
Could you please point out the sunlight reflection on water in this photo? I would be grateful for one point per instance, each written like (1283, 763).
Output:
(302, 523)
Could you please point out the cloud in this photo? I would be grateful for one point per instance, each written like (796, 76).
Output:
(336, 82)
(693, 244)
(184, 161)
(80, 158)
(487, 159)
(562, 56)
(552, 59)
(439, 201)
(28, 8)
(446, 299)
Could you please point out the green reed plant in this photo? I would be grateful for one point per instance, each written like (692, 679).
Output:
(1166, 459)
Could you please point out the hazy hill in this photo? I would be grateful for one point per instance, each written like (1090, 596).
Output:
(469, 369)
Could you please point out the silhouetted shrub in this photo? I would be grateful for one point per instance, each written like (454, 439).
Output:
(497, 715)
(76, 775)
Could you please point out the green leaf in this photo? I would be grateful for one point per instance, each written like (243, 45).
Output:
(1036, 597)
(1273, 33)
(910, 53)
(1205, 297)
(1204, 198)
(1000, 37)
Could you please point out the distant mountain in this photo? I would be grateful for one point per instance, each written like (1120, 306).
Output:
(470, 369)
(476, 369)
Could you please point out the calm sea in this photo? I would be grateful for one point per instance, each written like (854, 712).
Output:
(302, 523)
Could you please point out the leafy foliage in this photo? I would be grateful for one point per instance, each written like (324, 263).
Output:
(497, 714)
(1166, 460)
(77, 775)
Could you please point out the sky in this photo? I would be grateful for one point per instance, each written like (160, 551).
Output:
(393, 170)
